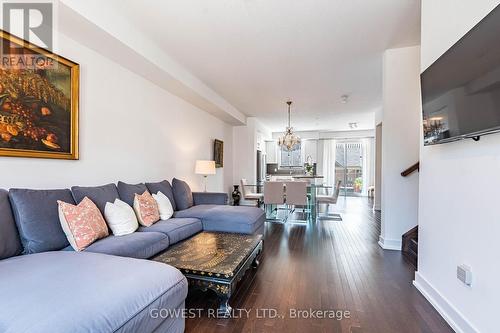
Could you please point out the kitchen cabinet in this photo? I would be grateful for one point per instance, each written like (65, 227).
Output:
(271, 152)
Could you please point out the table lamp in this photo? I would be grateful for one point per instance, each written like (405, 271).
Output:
(205, 168)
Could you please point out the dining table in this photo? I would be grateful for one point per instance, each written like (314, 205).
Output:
(312, 191)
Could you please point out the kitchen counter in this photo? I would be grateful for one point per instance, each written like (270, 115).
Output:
(307, 176)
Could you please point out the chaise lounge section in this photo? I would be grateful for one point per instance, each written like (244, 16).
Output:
(105, 288)
(241, 219)
(88, 292)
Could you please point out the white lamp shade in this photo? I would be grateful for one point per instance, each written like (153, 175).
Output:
(204, 167)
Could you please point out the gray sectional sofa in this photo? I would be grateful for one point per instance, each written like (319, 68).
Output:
(45, 286)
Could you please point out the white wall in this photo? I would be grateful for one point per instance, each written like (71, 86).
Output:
(245, 157)
(400, 144)
(458, 213)
(247, 139)
(377, 202)
(130, 130)
(379, 115)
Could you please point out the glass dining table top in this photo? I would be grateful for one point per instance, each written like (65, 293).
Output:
(309, 185)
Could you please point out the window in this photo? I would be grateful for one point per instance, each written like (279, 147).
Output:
(291, 158)
(349, 167)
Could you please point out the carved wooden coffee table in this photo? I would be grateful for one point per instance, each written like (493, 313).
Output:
(216, 261)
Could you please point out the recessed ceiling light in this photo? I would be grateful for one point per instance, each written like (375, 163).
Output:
(344, 99)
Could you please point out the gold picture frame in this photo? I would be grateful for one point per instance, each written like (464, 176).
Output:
(219, 153)
(39, 110)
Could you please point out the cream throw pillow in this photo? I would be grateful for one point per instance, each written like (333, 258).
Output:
(164, 205)
(120, 217)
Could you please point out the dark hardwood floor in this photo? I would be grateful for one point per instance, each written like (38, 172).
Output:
(327, 265)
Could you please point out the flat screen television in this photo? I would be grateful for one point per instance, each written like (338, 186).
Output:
(461, 90)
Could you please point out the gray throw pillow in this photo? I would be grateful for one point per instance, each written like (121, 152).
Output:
(163, 187)
(10, 244)
(128, 191)
(100, 195)
(37, 218)
(182, 194)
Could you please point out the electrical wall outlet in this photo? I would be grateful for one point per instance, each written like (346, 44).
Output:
(464, 274)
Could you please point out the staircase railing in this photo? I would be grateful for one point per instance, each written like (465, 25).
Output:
(410, 170)
(410, 239)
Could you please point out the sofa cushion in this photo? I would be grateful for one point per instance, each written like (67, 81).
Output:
(139, 245)
(99, 195)
(37, 218)
(176, 229)
(86, 292)
(182, 194)
(10, 244)
(240, 219)
(127, 191)
(198, 211)
(163, 187)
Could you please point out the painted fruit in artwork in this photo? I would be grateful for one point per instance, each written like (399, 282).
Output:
(35, 109)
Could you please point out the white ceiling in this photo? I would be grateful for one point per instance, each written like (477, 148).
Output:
(258, 53)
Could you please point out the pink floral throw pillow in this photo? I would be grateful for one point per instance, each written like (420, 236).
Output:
(83, 224)
(146, 209)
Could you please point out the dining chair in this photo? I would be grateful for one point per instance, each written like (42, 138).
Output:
(249, 195)
(330, 200)
(274, 194)
(296, 196)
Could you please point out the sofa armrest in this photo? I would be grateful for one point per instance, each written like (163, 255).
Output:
(210, 198)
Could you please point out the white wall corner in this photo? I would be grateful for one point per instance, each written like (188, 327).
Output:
(389, 244)
(453, 317)
(400, 134)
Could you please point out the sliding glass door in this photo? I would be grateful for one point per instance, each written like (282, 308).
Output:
(349, 167)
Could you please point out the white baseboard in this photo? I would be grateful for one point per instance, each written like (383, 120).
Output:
(389, 244)
(453, 317)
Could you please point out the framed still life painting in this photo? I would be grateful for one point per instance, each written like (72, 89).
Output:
(219, 153)
(38, 101)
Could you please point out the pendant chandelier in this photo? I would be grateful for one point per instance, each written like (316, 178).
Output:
(289, 141)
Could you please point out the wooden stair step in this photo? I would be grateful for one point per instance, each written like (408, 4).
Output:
(413, 246)
(410, 246)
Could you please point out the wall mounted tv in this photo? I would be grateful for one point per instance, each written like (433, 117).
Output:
(461, 90)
